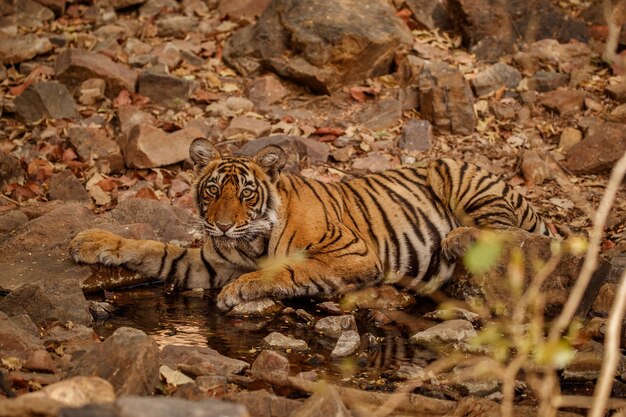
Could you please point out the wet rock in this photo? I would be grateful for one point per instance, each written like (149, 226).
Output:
(91, 91)
(563, 102)
(296, 148)
(604, 301)
(330, 307)
(452, 332)
(270, 361)
(544, 81)
(93, 143)
(569, 137)
(74, 66)
(77, 391)
(256, 308)
(200, 360)
(334, 326)
(244, 11)
(48, 99)
(374, 162)
(599, 151)
(164, 89)
(262, 403)
(325, 402)
(382, 115)
(453, 313)
(14, 50)
(493, 78)
(10, 170)
(147, 146)
(11, 221)
(265, 90)
(332, 48)
(176, 26)
(348, 342)
(446, 99)
(276, 340)
(534, 168)
(128, 359)
(383, 297)
(48, 301)
(65, 186)
(245, 125)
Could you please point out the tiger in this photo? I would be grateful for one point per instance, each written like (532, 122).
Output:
(271, 234)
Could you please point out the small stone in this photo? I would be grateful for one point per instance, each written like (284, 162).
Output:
(308, 375)
(172, 377)
(505, 109)
(587, 363)
(604, 301)
(130, 116)
(256, 308)
(239, 104)
(11, 170)
(265, 90)
(66, 187)
(384, 297)
(348, 342)
(495, 77)
(270, 361)
(150, 147)
(452, 332)
(45, 99)
(616, 91)
(374, 162)
(569, 137)
(11, 221)
(73, 66)
(599, 151)
(168, 54)
(544, 81)
(534, 168)
(343, 154)
(92, 91)
(330, 307)
(618, 114)
(593, 105)
(164, 89)
(479, 378)
(453, 313)
(563, 102)
(416, 136)
(247, 125)
(200, 360)
(276, 340)
(93, 143)
(14, 50)
(122, 4)
(176, 26)
(333, 326)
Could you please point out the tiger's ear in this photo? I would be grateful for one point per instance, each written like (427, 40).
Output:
(272, 159)
(202, 151)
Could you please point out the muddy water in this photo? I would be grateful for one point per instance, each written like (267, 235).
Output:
(190, 320)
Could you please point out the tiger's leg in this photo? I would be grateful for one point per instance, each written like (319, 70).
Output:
(330, 272)
(179, 267)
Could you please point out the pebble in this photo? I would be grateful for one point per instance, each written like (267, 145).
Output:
(334, 326)
(569, 137)
(446, 333)
(276, 340)
(348, 342)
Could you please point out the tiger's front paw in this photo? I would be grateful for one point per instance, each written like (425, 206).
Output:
(458, 241)
(94, 246)
(253, 286)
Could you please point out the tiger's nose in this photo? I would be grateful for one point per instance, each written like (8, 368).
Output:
(224, 227)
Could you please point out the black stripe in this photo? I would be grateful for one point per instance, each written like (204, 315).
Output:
(162, 265)
(174, 264)
(209, 268)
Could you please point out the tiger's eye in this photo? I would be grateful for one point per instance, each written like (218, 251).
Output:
(246, 193)
(211, 190)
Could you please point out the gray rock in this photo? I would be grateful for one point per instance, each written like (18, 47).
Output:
(323, 403)
(200, 360)
(599, 151)
(479, 379)
(495, 77)
(276, 340)
(176, 26)
(431, 14)
(382, 115)
(265, 90)
(21, 48)
(94, 143)
(245, 125)
(77, 391)
(239, 104)
(332, 47)
(74, 66)
(604, 301)
(447, 333)
(544, 81)
(446, 99)
(174, 407)
(348, 342)
(416, 136)
(18, 338)
(270, 361)
(152, 8)
(48, 99)
(70, 339)
(164, 89)
(256, 308)
(128, 359)
(563, 102)
(92, 91)
(65, 186)
(48, 301)
(244, 11)
(536, 171)
(374, 162)
(565, 57)
(334, 326)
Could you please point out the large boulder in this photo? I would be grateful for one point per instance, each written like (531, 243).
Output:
(323, 45)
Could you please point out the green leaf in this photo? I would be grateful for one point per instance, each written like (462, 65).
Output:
(483, 256)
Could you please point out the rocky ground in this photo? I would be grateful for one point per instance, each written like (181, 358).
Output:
(101, 99)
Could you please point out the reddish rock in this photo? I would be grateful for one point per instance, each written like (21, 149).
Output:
(266, 90)
(563, 102)
(149, 147)
(130, 116)
(534, 168)
(94, 143)
(244, 11)
(446, 99)
(21, 48)
(247, 125)
(201, 360)
(73, 66)
(164, 89)
(495, 77)
(270, 361)
(616, 91)
(599, 151)
(18, 337)
(65, 186)
(45, 99)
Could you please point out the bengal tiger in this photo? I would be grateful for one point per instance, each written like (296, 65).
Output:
(320, 238)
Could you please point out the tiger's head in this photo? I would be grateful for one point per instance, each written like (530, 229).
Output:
(236, 195)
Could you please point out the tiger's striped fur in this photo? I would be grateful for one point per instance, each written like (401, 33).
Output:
(320, 237)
